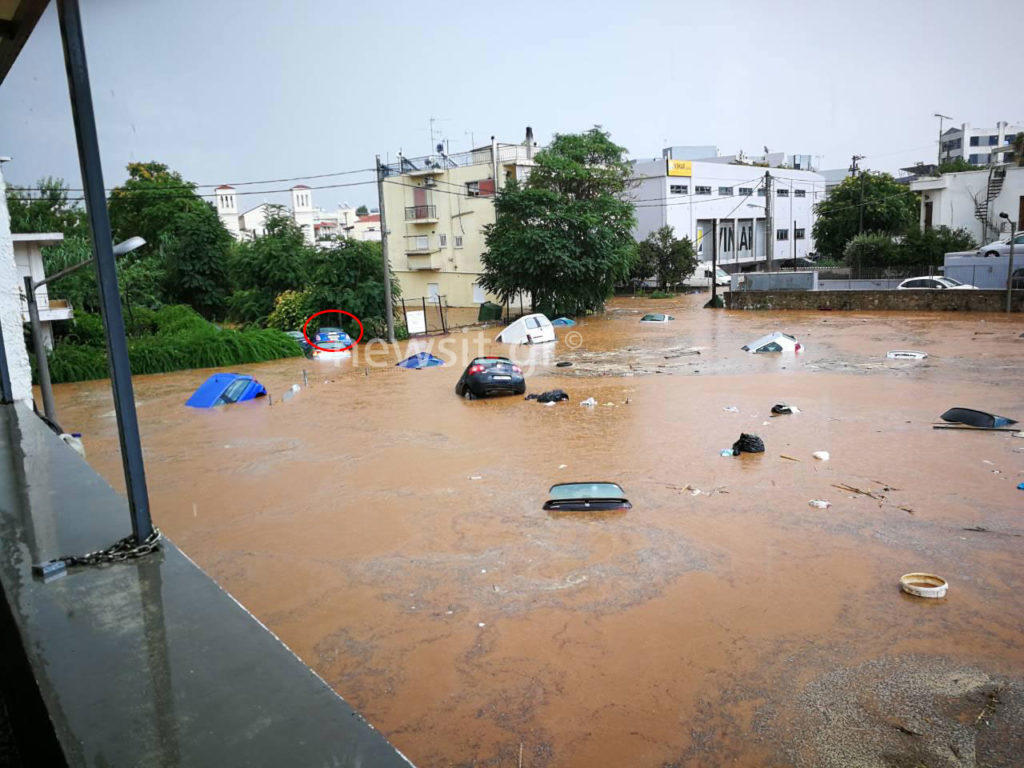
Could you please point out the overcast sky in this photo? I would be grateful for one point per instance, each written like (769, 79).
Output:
(237, 91)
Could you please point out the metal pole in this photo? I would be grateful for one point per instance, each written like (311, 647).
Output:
(42, 364)
(769, 223)
(106, 270)
(1009, 271)
(6, 393)
(388, 310)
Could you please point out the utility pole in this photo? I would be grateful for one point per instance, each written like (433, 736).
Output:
(388, 311)
(42, 368)
(1009, 268)
(857, 171)
(769, 226)
(938, 157)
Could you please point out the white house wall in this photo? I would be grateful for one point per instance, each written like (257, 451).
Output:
(10, 308)
(952, 198)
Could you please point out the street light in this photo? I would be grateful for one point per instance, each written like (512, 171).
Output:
(42, 363)
(1009, 270)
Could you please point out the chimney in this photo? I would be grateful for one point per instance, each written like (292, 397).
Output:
(529, 136)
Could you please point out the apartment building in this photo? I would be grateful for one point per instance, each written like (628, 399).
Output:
(729, 196)
(975, 145)
(436, 207)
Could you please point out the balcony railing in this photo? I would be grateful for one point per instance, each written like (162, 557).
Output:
(419, 244)
(420, 212)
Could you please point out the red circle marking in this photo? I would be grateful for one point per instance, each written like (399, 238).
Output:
(324, 312)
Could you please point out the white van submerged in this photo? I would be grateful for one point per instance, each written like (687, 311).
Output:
(701, 277)
(528, 329)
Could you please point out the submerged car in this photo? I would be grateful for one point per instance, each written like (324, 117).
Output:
(586, 497)
(656, 317)
(1002, 247)
(330, 335)
(300, 339)
(773, 342)
(933, 284)
(224, 388)
(486, 376)
(530, 329)
(331, 350)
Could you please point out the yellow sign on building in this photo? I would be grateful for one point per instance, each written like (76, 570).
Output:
(680, 167)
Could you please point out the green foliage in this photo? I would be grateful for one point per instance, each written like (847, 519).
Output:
(46, 209)
(1018, 148)
(956, 165)
(930, 246)
(196, 259)
(291, 308)
(182, 340)
(149, 203)
(889, 207)
(263, 268)
(564, 236)
(350, 275)
(871, 250)
(660, 295)
(674, 260)
(362, 210)
(86, 330)
(78, 287)
(917, 248)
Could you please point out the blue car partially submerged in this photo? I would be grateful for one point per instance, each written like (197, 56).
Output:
(222, 388)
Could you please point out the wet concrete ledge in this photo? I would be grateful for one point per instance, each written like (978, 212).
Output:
(147, 662)
(887, 301)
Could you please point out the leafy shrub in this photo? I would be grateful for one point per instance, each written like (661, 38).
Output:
(291, 308)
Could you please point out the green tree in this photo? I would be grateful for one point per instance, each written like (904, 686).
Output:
(889, 207)
(266, 266)
(930, 246)
(871, 250)
(350, 275)
(564, 236)
(196, 261)
(956, 165)
(149, 204)
(674, 260)
(1018, 148)
(46, 208)
(362, 210)
(644, 267)
(291, 308)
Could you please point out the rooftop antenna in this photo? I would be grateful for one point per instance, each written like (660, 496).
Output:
(433, 120)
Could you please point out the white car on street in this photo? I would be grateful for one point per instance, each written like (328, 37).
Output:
(1002, 247)
(934, 284)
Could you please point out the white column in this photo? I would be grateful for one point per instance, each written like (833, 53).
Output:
(10, 307)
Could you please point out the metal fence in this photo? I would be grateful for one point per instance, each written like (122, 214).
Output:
(983, 276)
(425, 315)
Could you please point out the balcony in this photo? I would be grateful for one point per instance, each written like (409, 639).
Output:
(423, 261)
(421, 214)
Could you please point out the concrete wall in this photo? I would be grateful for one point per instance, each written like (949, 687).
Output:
(888, 301)
(777, 281)
(10, 307)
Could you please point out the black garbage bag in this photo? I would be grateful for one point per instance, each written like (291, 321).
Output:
(551, 396)
(748, 444)
(975, 418)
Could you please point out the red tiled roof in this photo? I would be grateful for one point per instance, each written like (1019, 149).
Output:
(225, 186)
(371, 217)
(300, 186)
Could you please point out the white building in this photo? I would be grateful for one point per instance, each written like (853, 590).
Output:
(28, 257)
(973, 200)
(975, 145)
(699, 197)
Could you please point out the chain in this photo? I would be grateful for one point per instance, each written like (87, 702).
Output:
(125, 549)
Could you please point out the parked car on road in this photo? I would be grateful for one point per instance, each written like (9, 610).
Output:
(529, 329)
(1002, 247)
(656, 317)
(331, 350)
(332, 334)
(933, 284)
(486, 376)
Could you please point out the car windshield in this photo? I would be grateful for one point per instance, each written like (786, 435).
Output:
(490, 362)
(566, 491)
(234, 390)
(948, 281)
(653, 319)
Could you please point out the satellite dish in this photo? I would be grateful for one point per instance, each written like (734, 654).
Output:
(440, 149)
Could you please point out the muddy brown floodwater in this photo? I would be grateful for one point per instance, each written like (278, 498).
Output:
(392, 535)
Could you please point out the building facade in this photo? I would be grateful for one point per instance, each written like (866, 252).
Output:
(28, 257)
(973, 200)
(699, 198)
(436, 208)
(11, 288)
(975, 145)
